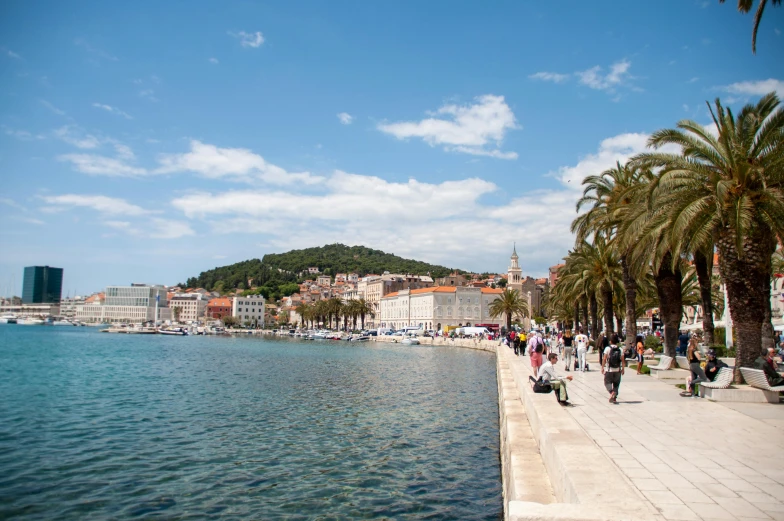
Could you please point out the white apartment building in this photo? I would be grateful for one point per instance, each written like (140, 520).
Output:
(248, 309)
(68, 306)
(436, 307)
(135, 303)
(192, 306)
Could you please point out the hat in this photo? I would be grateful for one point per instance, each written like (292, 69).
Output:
(711, 352)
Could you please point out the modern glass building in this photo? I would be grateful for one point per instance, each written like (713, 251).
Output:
(42, 285)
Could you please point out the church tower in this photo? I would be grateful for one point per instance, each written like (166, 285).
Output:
(514, 275)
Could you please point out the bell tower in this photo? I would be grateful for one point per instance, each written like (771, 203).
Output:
(514, 275)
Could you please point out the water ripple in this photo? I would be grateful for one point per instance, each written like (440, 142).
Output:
(96, 426)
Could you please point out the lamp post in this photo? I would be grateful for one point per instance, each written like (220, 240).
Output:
(529, 310)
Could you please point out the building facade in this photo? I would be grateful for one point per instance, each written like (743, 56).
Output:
(248, 310)
(438, 307)
(135, 304)
(379, 287)
(42, 285)
(219, 307)
(192, 306)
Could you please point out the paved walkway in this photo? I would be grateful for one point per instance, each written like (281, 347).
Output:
(693, 459)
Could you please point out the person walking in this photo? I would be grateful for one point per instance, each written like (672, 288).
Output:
(548, 374)
(536, 348)
(582, 348)
(568, 348)
(613, 365)
(523, 342)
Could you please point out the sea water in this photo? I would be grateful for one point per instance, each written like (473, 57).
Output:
(104, 426)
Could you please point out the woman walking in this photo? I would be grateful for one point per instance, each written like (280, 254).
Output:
(640, 353)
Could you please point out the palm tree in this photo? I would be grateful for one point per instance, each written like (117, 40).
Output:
(728, 190)
(302, 310)
(364, 308)
(744, 6)
(511, 304)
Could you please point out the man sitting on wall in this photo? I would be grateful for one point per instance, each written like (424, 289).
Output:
(548, 374)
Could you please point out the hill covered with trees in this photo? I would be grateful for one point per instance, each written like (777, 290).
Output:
(276, 273)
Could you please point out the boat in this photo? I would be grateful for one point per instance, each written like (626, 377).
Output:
(63, 322)
(174, 331)
(30, 321)
(8, 318)
(411, 341)
(359, 338)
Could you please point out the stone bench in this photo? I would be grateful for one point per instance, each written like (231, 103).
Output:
(739, 393)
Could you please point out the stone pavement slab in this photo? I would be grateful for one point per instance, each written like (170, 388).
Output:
(689, 457)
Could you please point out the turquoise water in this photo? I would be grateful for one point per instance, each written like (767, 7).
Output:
(100, 426)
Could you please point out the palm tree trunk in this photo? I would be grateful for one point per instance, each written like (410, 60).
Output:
(607, 303)
(630, 285)
(668, 287)
(767, 326)
(576, 314)
(618, 324)
(745, 280)
(594, 307)
(703, 265)
(362, 318)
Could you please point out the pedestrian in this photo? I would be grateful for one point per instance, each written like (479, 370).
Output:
(683, 343)
(713, 366)
(613, 365)
(523, 342)
(536, 349)
(582, 348)
(568, 349)
(568, 343)
(548, 374)
(640, 348)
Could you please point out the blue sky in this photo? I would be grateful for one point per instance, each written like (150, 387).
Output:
(150, 141)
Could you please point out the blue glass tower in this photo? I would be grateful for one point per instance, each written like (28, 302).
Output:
(42, 285)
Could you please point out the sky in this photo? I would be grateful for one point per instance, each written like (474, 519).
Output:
(149, 141)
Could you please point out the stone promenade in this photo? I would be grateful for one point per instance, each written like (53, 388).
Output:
(686, 458)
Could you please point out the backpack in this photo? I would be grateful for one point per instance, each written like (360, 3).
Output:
(539, 347)
(540, 386)
(615, 357)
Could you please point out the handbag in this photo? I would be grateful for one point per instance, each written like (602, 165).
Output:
(540, 386)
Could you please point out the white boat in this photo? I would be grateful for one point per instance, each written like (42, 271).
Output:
(8, 318)
(63, 322)
(321, 335)
(30, 321)
(359, 338)
(174, 331)
(411, 341)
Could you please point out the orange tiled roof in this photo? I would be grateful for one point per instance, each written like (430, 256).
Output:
(495, 291)
(543, 280)
(389, 295)
(220, 302)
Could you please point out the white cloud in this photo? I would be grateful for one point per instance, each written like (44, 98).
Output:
(483, 152)
(345, 118)
(213, 60)
(98, 53)
(155, 228)
(253, 40)
(693, 80)
(462, 127)
(756, 88)
(52, 108)
(74, 136)
(239, 163)
(550, 76)
(616, 148)
(595, 79)
(23, 135)
(12, 54)
(101, 165)
(148, 94)
(113, 110)
(100, 203)
(124, 151)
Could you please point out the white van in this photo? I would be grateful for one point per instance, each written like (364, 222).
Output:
(472, 331)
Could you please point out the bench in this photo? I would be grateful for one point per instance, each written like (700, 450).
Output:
(682, 362)
(756, 378)
(723, 380)
(664, 364)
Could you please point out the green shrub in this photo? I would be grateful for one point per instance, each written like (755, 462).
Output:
(652, 342)
(722, 351)
(645, 369)
(719, 336)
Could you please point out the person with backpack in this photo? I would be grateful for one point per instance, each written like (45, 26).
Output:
(536, 349)
(582, 348)
(613, 365)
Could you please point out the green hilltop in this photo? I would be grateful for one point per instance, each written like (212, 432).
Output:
(277, 274)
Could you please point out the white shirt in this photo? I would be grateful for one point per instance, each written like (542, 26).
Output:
(582, 341)
(548, 373)
(606, 356)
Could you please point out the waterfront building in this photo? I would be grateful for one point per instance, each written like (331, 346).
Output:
(379, 287)
(192, 306)
(219, 307)
(42, 285)
(248, 310)
(68, 306)
(135, 304)
(91, 310)
(438, 307)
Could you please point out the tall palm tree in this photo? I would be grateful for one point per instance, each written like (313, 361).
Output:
(744, 6)
(302, 310)
(729, 190)
(511, 304)
(364, 309)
